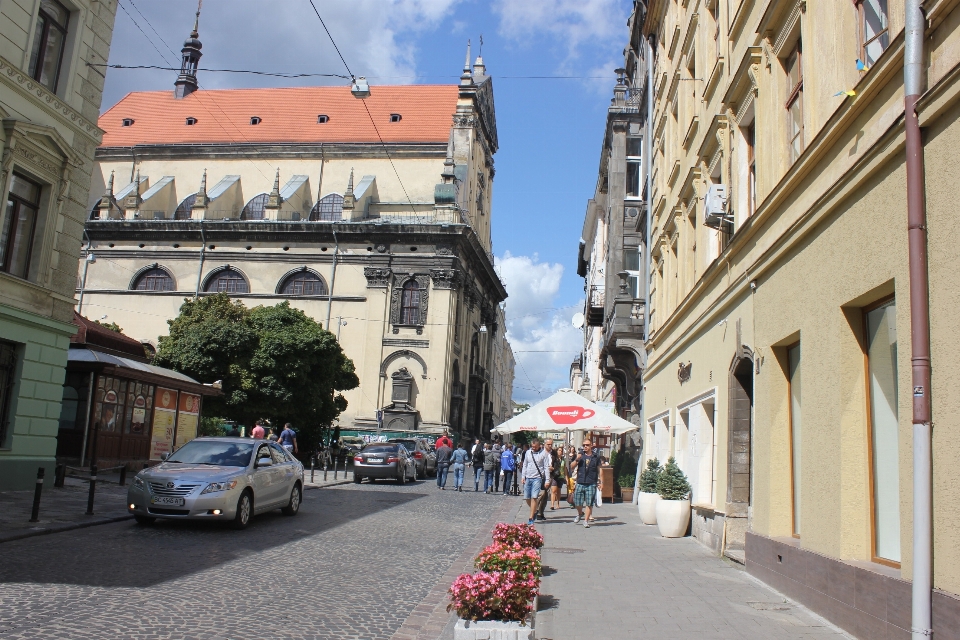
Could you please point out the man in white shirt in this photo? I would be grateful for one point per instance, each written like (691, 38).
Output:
(535, 475)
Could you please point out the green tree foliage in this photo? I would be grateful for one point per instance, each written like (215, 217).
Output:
(113, 326)
(672, 483)
(211, 426)
(648, 479)
(275, 363)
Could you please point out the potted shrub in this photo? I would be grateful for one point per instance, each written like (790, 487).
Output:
(648, 498)
(626, 483)
(673, 510)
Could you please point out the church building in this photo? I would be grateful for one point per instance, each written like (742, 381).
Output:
(369, 208)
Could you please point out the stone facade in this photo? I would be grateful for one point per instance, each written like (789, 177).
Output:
(48, 139)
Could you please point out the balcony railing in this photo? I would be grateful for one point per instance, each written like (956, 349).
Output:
(595, 306)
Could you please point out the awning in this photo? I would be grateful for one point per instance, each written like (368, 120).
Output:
(566, 410)
(139, 370)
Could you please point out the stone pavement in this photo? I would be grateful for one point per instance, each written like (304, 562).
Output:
(620, 579)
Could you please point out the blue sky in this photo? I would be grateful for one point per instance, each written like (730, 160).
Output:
(549, 129)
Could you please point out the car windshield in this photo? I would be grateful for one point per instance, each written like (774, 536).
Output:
(380, 448)
(225, 454)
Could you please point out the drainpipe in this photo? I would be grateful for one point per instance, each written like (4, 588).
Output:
(203, 255)
(88, 257)
(333, 278)
(913, 79)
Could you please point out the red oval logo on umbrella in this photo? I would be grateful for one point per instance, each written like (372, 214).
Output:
(569, 415)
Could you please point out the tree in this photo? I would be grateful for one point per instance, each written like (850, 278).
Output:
(274, 363)
(648, 479)
(112, 326)
(672, 483)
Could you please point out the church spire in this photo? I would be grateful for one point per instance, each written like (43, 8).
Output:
(466, 78)
(187, 80)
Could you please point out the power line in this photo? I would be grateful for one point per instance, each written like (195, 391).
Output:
(331, 39)
(278, 74)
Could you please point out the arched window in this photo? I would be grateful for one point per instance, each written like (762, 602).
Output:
(304, 283)
(156, 279)
(183, 211)
(254, 209)
(227, 281)
(329, 208)
(410, 303)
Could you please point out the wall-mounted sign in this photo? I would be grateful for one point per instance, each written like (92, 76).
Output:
(684, 372)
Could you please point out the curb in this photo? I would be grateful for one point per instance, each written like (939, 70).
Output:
(328, 484)
(60, 528)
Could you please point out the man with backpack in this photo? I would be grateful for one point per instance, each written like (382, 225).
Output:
(587, 469)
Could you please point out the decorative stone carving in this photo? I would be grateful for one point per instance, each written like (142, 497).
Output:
(377, 278)
(381, 248)
(445, 278)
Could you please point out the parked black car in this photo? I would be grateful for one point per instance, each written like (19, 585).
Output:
(385, 461)
(425, 459)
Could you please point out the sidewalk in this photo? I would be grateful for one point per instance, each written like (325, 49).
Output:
(620, 579)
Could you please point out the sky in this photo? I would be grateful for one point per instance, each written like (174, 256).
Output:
(550, 129)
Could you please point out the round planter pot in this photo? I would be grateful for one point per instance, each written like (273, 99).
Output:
(647, 503)
(673, 516)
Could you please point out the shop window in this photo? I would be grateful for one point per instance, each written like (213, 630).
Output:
(880, 324)
(874, 31)
(227, 281)
(793, 384)
(19, 225)
(156, 279)
(304, 283)
(46, 56)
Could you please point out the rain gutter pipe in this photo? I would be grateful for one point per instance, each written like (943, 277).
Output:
(913, 80)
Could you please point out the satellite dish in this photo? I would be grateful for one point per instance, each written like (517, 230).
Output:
(578, 320)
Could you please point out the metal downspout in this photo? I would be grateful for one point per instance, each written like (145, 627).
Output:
(83, 279)
(913, 78)
(203, 255)
(333, 279)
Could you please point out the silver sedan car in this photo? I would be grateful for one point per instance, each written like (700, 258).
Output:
(225, 479)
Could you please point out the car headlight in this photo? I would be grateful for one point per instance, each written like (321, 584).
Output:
(219, 486)
(138, 482)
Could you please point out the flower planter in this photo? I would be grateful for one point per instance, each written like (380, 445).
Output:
(626, 494)
(673, 516)
(647, 503)
(495, 629)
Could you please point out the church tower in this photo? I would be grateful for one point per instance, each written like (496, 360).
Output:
(187, 80)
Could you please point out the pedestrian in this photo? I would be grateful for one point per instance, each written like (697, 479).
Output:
(551, 473)
(288, 438)
(445, 440)
(497, 449)
(444, 453)
(233, 431)
(559, 479)
(551, 476)
(587, 465)
(490, 458)
(272, 437)
(476, 445)
(477, 462)
(534, 476)
(507, 464)
(459, 459)
(257, 432)
(571, 476)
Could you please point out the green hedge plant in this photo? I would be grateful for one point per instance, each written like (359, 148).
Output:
(627, 480)
(672, 483)
(648, 479)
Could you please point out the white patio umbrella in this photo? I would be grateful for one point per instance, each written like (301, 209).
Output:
(566, 410)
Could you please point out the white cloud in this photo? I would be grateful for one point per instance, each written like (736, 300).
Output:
(376, 37)
(542, 337)
(573, 23)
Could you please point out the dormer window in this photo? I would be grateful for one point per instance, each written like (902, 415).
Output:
(127, 122)
(255, 120)
(191, 121)
(395, 117)
(322, 119)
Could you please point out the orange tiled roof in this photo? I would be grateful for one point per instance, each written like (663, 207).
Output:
(287, 115)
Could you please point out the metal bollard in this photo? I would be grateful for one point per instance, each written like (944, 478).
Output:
(123, 476)
(35, 514)
(313, 461)
(59, 475)
(324, 468)
(336, 463)
(93, 488)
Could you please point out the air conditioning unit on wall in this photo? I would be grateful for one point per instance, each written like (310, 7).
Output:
(715, 213)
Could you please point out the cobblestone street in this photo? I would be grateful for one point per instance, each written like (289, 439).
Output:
(354, 563)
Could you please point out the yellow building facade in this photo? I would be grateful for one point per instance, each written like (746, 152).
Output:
(779, 359)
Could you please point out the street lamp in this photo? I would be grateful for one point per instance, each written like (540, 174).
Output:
(360, 88)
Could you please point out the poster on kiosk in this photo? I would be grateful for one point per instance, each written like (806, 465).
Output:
(187, 418)
(164, 422)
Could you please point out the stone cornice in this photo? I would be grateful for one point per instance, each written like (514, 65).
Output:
(13, 77)
(257, 150)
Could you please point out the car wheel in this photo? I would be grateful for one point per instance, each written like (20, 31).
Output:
(357, 479)
(402, 478)
(294, 505)
(144, 520)
(244, 511)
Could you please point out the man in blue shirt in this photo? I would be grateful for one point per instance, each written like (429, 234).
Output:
(288, 438)
(507, 464)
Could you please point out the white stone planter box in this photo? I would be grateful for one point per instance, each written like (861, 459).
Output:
(647, 505)
(673, 516)
(495, 629)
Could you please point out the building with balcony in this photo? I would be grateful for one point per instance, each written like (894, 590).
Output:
(373, 217)
(779, 253)
(49, 102)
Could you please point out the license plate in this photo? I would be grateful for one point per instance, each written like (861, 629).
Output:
(374, 459)
(175, 502)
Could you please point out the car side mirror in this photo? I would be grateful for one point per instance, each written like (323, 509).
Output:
(264, 462)
(164, 456)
